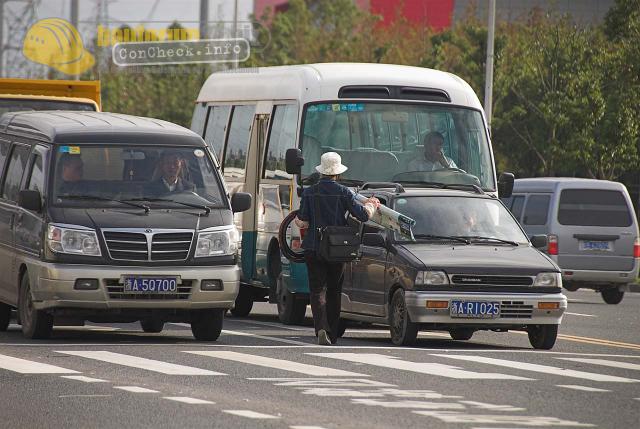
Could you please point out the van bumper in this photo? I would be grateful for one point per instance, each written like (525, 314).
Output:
(592, 276)
(515, 310)
(53, 287)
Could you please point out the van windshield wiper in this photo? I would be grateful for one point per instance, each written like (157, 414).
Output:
(99, 198)
(442, 237)
(207, 209)
(499, 240)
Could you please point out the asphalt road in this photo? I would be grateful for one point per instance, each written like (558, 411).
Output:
(261, 374)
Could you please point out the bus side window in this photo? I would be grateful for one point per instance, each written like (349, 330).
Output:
(282, 137)
(235, 153)
(199, 118)
(216, 128)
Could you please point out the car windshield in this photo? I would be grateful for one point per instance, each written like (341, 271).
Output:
(400, 142)
(479, 219)
(143, 176)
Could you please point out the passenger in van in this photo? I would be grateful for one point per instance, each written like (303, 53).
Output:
(434, 158)
(72, 172)
(171, 169)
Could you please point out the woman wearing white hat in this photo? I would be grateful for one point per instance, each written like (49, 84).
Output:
(325, 278)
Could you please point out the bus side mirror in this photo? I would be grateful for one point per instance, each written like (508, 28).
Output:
(30, 200)
(293, 161)
(505, 185)
(539, 241)
(240, 202)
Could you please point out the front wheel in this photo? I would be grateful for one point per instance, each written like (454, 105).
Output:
(612, 296)
(36, 324)
(243, 304)
(403, 331)
(461, 334)
(543, 336)
(5, 316)
(206, 325)
(291, 311)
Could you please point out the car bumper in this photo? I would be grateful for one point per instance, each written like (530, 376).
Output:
(588, 276)
(515, 310)
(53, 287)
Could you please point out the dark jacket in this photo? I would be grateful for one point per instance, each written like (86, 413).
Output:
(158, 188)
(335, 201)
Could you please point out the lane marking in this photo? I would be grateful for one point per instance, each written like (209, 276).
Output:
(250, 414)
(540, 368)
(142, 363)
(24, 366)
(187, 400)
(85, 396)
(135, 389)
(408, 404)
(492, 407)
(582, 388)
(500, 419)
(420, 367)
(579, 314)
(285, 365)
(272, 325)
(303, 383)
(306, 427)
(84, 379)
(264, 337)
(609, 363)
(599, 341)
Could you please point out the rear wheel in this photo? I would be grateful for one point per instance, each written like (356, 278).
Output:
(543, 336)
(152, 326)
(36, 324)
(206, 325)
(571, 286)
(403, 331)
(612, 296)
(244, 303)
(461, 334)
(291, 311)
(5, 316)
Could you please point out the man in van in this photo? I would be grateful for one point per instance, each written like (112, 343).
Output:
(434, 158)
(72, 173)
(171, 180)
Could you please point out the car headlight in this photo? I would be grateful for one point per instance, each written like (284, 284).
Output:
(431, 278)
(217, 242)
(548, 279)
(76, 240)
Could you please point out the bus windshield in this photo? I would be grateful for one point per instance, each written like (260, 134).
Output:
(400, 142)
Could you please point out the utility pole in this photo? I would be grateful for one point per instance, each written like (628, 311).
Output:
(235, 30)
(74, 21)
(488, 80)
(1, 38)
(204, 19)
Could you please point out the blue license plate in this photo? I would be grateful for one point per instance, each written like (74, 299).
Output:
(151, 284)
(475, 309)
(595, 245)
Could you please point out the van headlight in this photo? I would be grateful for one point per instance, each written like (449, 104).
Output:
(548, 279)
(431, 278)
(217, 242)
(76, 240)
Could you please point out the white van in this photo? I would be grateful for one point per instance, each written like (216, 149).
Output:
(591, 226)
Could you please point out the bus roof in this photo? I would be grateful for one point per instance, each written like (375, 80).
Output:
(314, 82)
(28, 88)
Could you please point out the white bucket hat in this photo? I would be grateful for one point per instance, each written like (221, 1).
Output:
(331, 164)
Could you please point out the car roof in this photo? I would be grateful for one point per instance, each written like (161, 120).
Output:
(551, 184)
(95, 127)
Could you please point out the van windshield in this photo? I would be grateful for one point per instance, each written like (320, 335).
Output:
(400, 142)
(147, 176)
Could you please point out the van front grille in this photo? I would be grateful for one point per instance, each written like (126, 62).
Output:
(515, 310)
(172, 246)
(148, 245)
(127, 246)
(115, 289)
(472, 279)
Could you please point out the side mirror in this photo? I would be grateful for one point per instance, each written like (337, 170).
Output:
(240, 202)
(539, 241)
(30, 200)
(293, 161)
(373, 239)
(505, 185)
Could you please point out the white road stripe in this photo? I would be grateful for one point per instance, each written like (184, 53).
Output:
(583, 388)
(135, 389)
(142, 363)
(579, 314)
(285, 365)
(84, 379)
(250, 414)
(187, 400)
(306, 427)
(264, 337)
(420, 367)
(610, 363)
(540, 368)
(24, 366)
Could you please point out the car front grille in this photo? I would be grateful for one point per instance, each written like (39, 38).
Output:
(148, 245)
(481, 280)
(115, 290)
(515, 310)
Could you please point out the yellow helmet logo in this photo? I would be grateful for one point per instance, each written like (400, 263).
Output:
(56, 43)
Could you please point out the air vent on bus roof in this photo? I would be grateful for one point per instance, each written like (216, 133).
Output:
(427, 94)
(362, 91)
(395, 92)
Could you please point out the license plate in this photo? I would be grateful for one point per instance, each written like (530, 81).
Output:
(475, 309)
(151, 284)
(596, 245)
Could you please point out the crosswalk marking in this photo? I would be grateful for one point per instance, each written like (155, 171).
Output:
(250, 414)
(142, 363)
(24, 366)
(610, 363)
(84, 379)
(420, 367)
(286, 365)
(583, 388)
(188, 400)
(540, 368)
(135, 389)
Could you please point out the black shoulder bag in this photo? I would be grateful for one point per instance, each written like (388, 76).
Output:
(336, 243)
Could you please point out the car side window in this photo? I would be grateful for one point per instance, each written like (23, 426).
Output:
(4, 152)
(36, 176)
(15, 170)
(536, 210)
(516, 206)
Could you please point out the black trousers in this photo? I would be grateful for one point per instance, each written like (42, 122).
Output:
(325, 289)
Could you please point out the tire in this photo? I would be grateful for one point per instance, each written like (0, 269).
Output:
(243, 304)
(461, 334)
(342, 327)
(612, 296)
(291, 311)
(570, 286)
(5, 316)
(403, 331)
(206, 325)
(152, 326)
(543, 337)
(36, 324)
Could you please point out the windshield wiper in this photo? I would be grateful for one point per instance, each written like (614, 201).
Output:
(207, 209)
(464, 186)
(98, 198)
(499, 240)
(442, 237)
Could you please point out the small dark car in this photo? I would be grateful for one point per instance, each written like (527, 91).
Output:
(471, 268)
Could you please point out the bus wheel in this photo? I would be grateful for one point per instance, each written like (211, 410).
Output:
(291, 311)
(244, 303)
